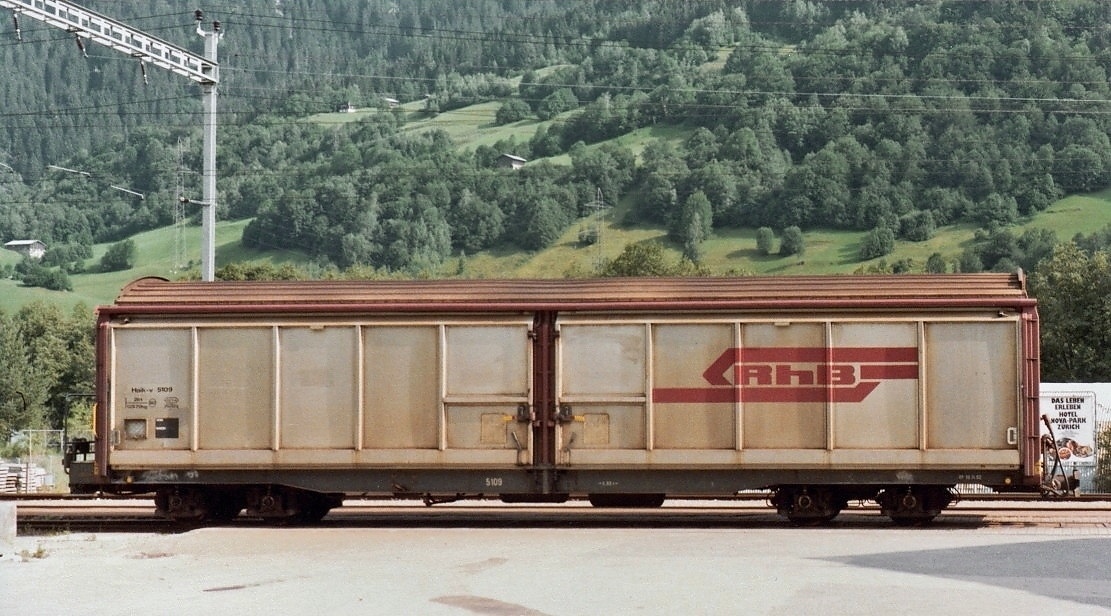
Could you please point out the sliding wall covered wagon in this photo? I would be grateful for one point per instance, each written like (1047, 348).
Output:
(281, 398)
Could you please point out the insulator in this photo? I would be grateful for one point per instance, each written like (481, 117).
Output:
(143, 69)
(18, 33)
(80, 45)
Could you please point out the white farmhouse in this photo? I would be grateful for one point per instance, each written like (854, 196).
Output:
(32, 248)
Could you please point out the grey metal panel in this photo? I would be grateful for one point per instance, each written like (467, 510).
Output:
(972, 384)
(153, 382)
(605, 426)
(236, 387)
(487, 360)
(776, 425)
(680, 354)
(602, 360)
(402, 393)
(485, 427)
(888, 417)
(318, 394)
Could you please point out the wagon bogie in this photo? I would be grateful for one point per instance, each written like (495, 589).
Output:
(289, 505)
(196, 504)
(913, 505)
(815, 504)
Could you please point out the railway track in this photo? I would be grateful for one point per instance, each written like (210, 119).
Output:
(740, 497)
(138, 516)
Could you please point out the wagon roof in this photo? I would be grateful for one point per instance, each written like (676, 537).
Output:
(770, 292)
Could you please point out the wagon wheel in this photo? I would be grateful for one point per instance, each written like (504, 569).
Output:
(913, 505)
(810, 506)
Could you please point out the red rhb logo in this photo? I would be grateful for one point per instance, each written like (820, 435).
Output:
(784, 374)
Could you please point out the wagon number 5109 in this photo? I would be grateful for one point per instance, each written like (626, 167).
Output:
(493, 482)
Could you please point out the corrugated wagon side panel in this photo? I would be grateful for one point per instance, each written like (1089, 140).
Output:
(780, 421)
(295, 392)
(487, 378)
(601, 377)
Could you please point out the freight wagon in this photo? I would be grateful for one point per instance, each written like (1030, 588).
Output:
(282, 398)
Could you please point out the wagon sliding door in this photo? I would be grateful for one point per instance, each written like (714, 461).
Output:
(446, 393)
(938, 391)
(224, 394)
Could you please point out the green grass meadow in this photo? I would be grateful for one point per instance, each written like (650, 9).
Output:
(727, 251)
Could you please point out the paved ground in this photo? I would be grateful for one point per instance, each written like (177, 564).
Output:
(533, 571)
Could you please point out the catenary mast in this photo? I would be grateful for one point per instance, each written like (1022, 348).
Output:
(86, 24)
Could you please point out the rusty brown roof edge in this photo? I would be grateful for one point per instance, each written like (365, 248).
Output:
(506, 308)
(592, 294)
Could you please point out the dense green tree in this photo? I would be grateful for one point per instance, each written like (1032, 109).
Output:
(47, 355)
(693, 224)
(546, 141)
(702, 147)
(66, 255)
(20, 400)
(55, 279)
(556, 103)
(1080, 169)
(658, 199)
(935, 264)
(970, 262)
(1074, 305)
(720, 187)
(259, 271)
(608, 168)
(1035, 245)
(475, 224)
(997, 209)
(646, 259)
(512, 110)
(792, 242)
(877, 243)
(917, 226)
(119, 256)
(414, 236)
(819, 189)
(1036, 193)
(765, 240)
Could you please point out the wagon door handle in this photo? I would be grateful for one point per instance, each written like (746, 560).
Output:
(525, 414)
(565, 414)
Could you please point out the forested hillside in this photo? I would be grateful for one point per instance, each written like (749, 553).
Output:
(892, 116)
